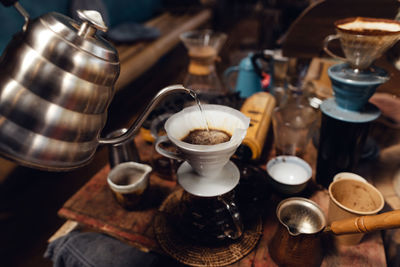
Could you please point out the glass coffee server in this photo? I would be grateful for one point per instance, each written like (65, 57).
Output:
(203, 47)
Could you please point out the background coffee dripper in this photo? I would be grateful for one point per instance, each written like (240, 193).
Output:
(363, 40)
(346, 117)
(207, 174)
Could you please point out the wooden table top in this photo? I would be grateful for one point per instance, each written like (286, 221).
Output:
(135, 227)
(381, 172)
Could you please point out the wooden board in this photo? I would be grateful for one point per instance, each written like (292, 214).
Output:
(95, 207)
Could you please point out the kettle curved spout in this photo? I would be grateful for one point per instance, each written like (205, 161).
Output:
(153, 103)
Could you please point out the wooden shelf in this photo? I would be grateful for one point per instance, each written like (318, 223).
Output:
(138, 58)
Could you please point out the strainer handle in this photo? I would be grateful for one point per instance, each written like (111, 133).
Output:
(366, 224)
(328, 39)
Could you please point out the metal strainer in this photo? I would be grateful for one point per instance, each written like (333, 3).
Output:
(301, 216)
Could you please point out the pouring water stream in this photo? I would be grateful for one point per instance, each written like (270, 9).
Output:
(194, 95)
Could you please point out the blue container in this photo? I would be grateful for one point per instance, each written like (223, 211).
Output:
(248, 81)
(352, 90)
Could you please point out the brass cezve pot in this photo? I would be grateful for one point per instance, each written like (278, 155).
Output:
(56, 82)
(297, 241)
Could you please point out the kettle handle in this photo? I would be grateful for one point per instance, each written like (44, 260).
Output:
(20, 10)
(255, 57)
(134, 128)
(228, 77)
(366, 224)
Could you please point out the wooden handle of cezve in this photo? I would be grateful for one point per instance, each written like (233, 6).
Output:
(366, 224)
(8, 2)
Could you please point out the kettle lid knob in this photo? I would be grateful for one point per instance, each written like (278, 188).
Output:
(92, 21)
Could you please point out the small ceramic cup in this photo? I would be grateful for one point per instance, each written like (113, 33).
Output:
(350, 195)
(289, 174)
(128, 182)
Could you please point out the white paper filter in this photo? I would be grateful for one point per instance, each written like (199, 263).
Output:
(218, 117)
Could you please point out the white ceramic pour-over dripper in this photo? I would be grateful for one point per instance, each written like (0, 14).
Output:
(206, 160)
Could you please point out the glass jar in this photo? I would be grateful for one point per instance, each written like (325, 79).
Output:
(294, 123)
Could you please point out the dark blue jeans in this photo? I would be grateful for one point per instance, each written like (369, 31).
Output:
(88, 249)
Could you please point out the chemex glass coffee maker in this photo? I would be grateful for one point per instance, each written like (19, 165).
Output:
(347, 116)
(206, 139)
(203, 47)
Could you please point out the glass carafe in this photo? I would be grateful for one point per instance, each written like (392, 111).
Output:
(211, 219)
(203, 47)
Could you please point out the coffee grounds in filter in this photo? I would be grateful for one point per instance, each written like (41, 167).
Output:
(204, 137)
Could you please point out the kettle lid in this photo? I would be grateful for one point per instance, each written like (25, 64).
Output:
(82, 35)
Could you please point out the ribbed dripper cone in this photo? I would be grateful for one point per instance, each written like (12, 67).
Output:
(365, 39)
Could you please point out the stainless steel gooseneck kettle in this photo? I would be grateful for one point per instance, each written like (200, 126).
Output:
(56, 82)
